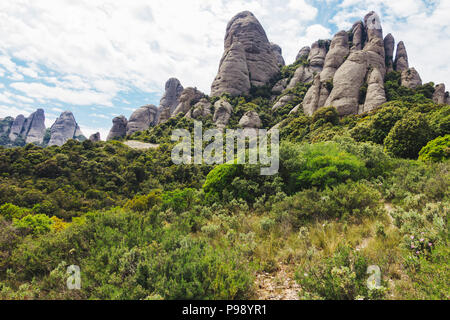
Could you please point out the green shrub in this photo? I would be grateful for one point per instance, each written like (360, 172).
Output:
(144, 203)
(436, 150)
(325, 115)
(10, 211)
(36, 224)
(342, 276)
(408, 136)
(220, 178)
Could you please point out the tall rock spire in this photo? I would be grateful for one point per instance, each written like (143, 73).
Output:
(248, 60)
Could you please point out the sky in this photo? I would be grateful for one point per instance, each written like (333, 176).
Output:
(104, 58)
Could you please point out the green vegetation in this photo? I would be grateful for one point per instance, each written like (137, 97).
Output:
(352, 192)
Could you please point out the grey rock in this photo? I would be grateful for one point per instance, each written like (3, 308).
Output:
(248, 54)
(296, 109)
(222, 113)
(303, 53)
(201, 109)
(170, 100)
(401, 58)
(64, 129)
(439, 95)
(347, 82)
(311, 100)
(142, 119)
(373, 27)
(278, 52)
(279, 87)
(411, 78)
(316, 57)
(376, 95)
(250, 119)
(95, 137)
(336, 55)
(119, 128)
(16, 127)
(358, 40)
(36, 127)
(188, 98)
(284, 100)
(389, 46)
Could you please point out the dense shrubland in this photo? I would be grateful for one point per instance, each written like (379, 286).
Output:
(351, 192)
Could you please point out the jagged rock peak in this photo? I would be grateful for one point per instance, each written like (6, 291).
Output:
(401, 58)
(250, 119)
(411, 78)
(389, 46)
(142, 119)
(303, 53)
(35, 127)
(336, 55)
(95, 137)
(376, 95)
(318, 53)
(64, 129)
(188, 98)
(372, 25)
(358, 36)
(248, 58)
(439, 95)
(170, 100)
(119, 128)
(276, 49)
(222, 113)
(16, 127)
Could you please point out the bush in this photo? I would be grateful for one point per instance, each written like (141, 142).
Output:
(325, 115)
(436, 150)
(144, 203)
(219, 179)
(10, 211)
(342, 276)
(36, 224)
(408, 136)
(325, 164)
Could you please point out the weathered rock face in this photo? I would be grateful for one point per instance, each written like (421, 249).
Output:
(316, 57)
(389, 44)
(248, 58)
(284, 100)
(16, 127)
(311, 100)
(279, 87)
(401, 58)
(119, 128)
(347, 81)
(189, 97)
(276, 49)
(376, 95)
(170, 99)
(303, 53)
(372, 25)
(411, 78)
(64, 129)
(222, 113)
(358, 35)
(250, 119)
(95, 137)
(142, 119)
(201, 109)
(336, 55)
(439, 95)
(35, 127)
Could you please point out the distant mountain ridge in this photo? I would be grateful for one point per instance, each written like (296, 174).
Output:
(20, 130)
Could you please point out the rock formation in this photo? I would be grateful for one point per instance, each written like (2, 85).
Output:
(303, 53)
(248, 59)
(389, 44)
(95, 137)
(376, 95)
(200, 109)
(64, 129)
(119, 128)
(250, 119)
(401, 58)
(316, 58)
(336, 56)
(411, 78)
(170, 100)
(284, 100)
(439, 95)
(372, 24)
(142, 119)
(222, 113)
(188, 98)
(280, 86)
(357, 36)
(276, 49)
(16, 127)
(35, 127)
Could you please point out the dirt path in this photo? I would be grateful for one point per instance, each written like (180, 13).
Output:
(280, 285)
